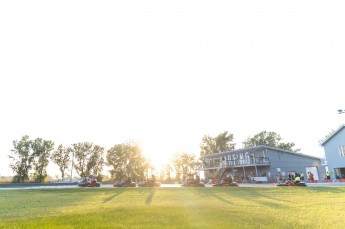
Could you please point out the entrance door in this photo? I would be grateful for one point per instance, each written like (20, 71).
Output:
(312, 170)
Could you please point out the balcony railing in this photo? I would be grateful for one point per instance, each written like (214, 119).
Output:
(239, 162)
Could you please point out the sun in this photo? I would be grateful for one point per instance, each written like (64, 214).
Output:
(161, 148)
(158, 156)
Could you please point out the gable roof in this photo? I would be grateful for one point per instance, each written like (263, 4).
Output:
(255, 148)
(332, 135)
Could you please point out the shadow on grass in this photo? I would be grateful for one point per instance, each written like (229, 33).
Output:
(150, 191)
(150, 196)
(258, 197)
(210, 194)
(227, 194)
(221, 199)
(253, 193)
(328, 189)
(118, 192)
(28, 203)
(176, 214)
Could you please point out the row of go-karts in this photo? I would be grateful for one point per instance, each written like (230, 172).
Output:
(223, 182)
(187, 183)
(127, 183)
(151, 183)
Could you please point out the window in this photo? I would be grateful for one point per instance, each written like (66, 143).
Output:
(342, 151)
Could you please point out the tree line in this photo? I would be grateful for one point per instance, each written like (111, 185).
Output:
(224, 142)
(30, 158)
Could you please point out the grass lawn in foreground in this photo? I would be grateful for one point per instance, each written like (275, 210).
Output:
(281, 207)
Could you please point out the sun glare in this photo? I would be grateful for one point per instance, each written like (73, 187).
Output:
(158, 157)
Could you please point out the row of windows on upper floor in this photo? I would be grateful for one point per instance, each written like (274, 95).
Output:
(244, 161)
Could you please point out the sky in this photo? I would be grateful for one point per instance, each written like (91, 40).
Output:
(166, 73)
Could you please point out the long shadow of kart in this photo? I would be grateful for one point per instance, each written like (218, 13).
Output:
(225, 184)
(192, 184)
(149, 184)
(120, 184)
(291, 184)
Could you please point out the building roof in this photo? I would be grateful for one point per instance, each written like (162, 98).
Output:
(332, 135)
(256, 148)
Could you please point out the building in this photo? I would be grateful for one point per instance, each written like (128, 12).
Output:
(260, 163)
(334, 147)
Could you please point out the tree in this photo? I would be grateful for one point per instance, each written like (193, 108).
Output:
(21, 158)
(167, 171)
(88, 159)
(117, 159)
(221, 143)
(96, 161)
(185, 164)
(127, 160)
(330, 133)
(27, 155)
(61, 157)
(161, 175)
(269, 139)
(41, 153)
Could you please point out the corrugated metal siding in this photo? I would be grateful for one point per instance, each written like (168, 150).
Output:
(331, 148)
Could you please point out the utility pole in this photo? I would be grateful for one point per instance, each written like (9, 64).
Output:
(72, 168)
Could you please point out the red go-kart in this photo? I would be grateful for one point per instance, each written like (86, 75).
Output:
(87, 183)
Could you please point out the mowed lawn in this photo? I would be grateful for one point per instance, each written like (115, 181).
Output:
(281, 207)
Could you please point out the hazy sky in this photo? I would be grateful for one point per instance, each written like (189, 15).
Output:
(165, 73)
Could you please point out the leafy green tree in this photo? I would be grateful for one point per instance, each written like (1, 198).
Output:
(168, 169)
(161, 175)
(327, 136)
(269, 139)
(41, 152)
(30, 154)
(165, 172)
(96, 162)
(221, 143)
(117, 160)
(127, 160)
(21, 158)
(61, 157)
(185, 164)
(88, 158)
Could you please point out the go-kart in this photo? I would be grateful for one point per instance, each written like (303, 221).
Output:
(149, 184)
(291, 184)
(192, 183)
(225, 184)
(120, 184)
(87, 183)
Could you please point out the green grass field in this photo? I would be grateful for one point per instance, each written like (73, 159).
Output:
(282, 207)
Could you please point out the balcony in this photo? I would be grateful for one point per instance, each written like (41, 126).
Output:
(257, 161)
